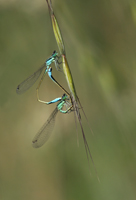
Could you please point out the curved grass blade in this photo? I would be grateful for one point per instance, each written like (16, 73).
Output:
(69, 79)
(61, 47)
(88, 152)
(68, 76)
(56, 29)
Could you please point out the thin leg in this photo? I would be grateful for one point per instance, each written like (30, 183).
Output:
(66, 111)
(57, 66)
(57, 60)
(37, 89)
(57, 63)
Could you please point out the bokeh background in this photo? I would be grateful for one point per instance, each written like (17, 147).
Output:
(100, 41)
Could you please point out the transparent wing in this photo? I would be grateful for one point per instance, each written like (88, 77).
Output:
(27, 83)
(44, 133)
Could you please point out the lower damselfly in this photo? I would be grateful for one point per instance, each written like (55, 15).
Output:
(64, 106)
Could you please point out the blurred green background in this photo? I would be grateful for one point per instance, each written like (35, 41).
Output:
(100, 41)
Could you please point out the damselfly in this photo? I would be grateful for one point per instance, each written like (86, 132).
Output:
(64, 106)
(27, 83)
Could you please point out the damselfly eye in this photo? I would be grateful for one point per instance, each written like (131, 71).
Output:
(64, 96)
(54, 52)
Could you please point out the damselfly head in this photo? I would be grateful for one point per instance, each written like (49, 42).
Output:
(64, 96)
(54, 54)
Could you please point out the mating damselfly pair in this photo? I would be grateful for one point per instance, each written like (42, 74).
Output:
(64, 105)
(69, 100)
